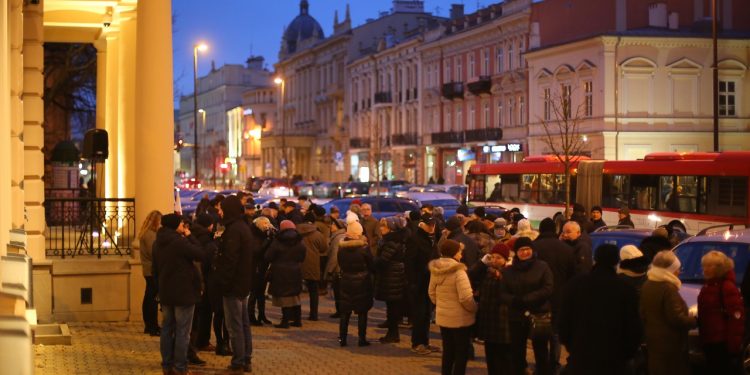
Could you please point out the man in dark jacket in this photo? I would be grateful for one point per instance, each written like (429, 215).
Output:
(234, 270)
(179, 289)
(560, 258)
(454, 231)
(291, 213)
(202, 230)
(599, 323)
(572, 235)
(421, 248)
(596, 218)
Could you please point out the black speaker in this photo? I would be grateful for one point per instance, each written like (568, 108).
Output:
(96, 145)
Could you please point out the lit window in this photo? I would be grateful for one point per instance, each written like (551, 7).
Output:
(727, 97)
(588, 92)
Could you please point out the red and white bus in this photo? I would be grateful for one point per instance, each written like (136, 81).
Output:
(699, 189)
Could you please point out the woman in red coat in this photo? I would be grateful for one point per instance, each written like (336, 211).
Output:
(721, 314)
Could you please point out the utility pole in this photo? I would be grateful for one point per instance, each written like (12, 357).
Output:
(715, 74)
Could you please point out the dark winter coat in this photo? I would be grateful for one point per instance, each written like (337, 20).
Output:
(324, 227)
(666, 324)
(294, 216)
(285, 257)
(315, 245)
(421, 248)
(355, 261)
(562, 262)
(583, 254)
(173, 257)
(492, 317)
(599, 323)
(626, 221)
(721, 313)
(596, 224)
(471, 249)
(390, 272)
(528, 287)
(633, 271)
(235, 264)
(261, 264)
(370, 226)
(211, 250)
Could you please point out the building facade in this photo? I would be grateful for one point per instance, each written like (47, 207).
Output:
(644, 87)
(259, 110)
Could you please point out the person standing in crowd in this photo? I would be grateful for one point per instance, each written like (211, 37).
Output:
(174, 252)
(654, 244)
(214, 207)
(285, 257)
(420, 249)
(356, 263)
(315, 245)
(483, 240)
(291, 213)
(562, 262)
(450, 291)
(596, 218)
(525, 230)
(624, 217)
(390, 273)
(497, 193)
(500, 230)
(454, 230)
(721, 315)
(528, 289)
(202, 230)
(203, 206)
(261, 228)
(665, 317)
(599, 322)
(323, 223)
(149, 306)
(335, 213)
(234, 268)
(579, 216)
(573, 236)
(333, 271)
(633, 267)
(492, 315)
(370, 225)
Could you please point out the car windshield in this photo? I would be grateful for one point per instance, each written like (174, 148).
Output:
(445, 203)
(690, 254)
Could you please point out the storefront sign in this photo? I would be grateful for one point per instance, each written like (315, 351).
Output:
(508, 147)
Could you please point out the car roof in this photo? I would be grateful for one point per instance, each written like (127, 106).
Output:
(734, 235)
(429, 196)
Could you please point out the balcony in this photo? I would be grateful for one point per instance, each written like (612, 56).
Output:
(404, 139)
(447, 137)
(481, 135)
(359, 143)
(383, 97)
(453, 90)
(482, 86)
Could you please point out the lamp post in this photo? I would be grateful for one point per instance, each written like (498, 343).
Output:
(280, 82)
(198, 47)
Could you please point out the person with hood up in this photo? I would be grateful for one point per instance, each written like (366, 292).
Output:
(333, 271)
(454, 230)
(527, 290)
(721, 314)
(262, 228)
(599, 322)
(315, 245)
(492, 315)
(174, 252)
(390, 273)
(356, 263)
(633, 267)
(665, 317)
(234, 268)
(285, 257)
(455, 309)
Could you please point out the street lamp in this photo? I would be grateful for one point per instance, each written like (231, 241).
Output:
(280, 82)
(198, 47)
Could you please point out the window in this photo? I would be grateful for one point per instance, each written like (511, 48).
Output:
(472, 116)
(486, 61)
(521, 109)
(588, 93)
(447, 70)
(472, 69)
(428, 76)
(459, 69)
(459, 117)
(510, 57)
(520, 53)
(499, 60)
(727, 97)
(511, 111)
(486, 115)
(565, 91)
(547, 104)
(448, 120)
(499, 113)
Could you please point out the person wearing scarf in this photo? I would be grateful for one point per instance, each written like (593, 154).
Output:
(665, 316)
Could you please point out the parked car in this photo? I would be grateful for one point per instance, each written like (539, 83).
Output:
(327, 190)
(438, 199)
(304, 188)
(381, 206)
(355, 188)
(276, 187)
(388, 187)
(618, 235)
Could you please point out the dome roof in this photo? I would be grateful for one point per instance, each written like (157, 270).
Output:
(301, 28)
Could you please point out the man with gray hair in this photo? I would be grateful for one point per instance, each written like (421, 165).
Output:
(370, 224)
(572, 235)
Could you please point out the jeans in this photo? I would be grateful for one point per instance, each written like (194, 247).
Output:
(456, 343)
(238, 323)
(420, 317)
(312, 289)
(149, 307)
(175, 336)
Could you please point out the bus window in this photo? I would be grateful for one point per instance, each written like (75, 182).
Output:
(490, 188)
(644, 192)
(511, 189)
(615, 190)
(687, 198)
(669, 194)
(727, 196)
(547, 187)
(477, 188)
(530, 188)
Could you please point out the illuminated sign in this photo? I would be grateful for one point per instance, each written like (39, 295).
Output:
(509, 147)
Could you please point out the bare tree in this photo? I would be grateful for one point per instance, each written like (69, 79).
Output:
(562, 134)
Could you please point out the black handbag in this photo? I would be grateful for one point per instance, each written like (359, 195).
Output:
(541, 325)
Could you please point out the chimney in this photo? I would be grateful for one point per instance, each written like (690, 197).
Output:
(457, 11)
(657, 15)
(674, 21)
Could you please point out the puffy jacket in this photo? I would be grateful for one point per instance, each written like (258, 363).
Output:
(355, 261)
(315, 245)
(173, 257)
(285, 256)
(390, 270)
(721, 313)
(528, 287)
(450, 291)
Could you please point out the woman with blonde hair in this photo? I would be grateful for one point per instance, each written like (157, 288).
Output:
(149, 306)
(721, 314)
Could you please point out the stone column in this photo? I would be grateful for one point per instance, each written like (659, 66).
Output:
(30, 190)
(5, 118)
(101, 82)
(108, 171)
(126, 144)
(154, 118)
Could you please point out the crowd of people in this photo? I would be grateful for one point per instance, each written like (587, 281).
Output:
(484, 279)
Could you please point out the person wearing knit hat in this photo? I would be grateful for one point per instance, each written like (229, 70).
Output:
(285, 257)
(287, 224)
(478, 213)
(633, 266)
(599, 322)
(393, 223)
(502, 250)
(666, 317)
(529, 286)
(500, 230)
(171, 221)
(624, 217)
(524, 230)
(356, 289)
(492, 324)
(390, 274)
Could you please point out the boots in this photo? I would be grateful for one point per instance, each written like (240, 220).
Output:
(285, 314)
(262, 310)
(296, 318)
(343, 328)
(362, 329)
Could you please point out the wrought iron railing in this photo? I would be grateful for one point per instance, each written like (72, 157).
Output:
(480, 135)
(89, 226)
(453, 90)
(405, 139)
(481, 86)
